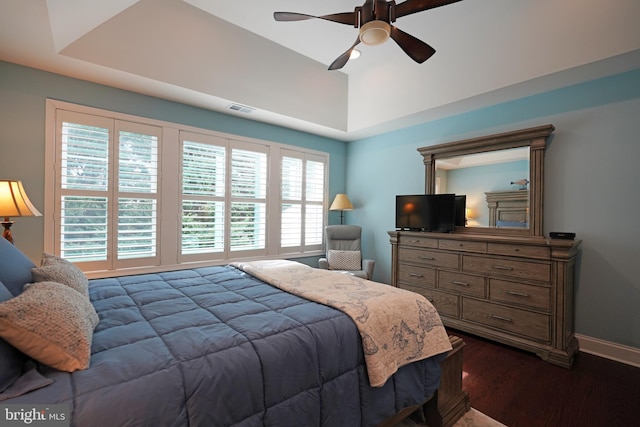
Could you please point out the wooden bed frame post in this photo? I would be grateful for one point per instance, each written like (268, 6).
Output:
(450, 402)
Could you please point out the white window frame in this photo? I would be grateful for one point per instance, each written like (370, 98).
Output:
(169, 197)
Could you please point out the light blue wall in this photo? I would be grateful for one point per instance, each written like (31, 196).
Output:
(592, 188)
(23, 92)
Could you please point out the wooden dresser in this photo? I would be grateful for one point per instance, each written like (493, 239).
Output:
(514, 290)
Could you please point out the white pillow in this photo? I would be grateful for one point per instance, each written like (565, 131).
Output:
(344, 260)
(52, 323)
(56, 269)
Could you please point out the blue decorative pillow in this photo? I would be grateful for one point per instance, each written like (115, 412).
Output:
(15, 267)
(11, 360)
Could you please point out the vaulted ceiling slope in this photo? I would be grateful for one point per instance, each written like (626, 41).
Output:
(214, 53)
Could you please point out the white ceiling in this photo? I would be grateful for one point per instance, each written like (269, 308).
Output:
(211, 53)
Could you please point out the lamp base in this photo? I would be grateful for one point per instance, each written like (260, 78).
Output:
(7, 230)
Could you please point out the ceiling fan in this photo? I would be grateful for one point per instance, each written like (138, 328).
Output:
(374, 20)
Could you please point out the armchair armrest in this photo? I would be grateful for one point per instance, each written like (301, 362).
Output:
(367, 266)
(323, 263)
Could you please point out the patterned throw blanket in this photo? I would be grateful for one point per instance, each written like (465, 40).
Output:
(397, 326)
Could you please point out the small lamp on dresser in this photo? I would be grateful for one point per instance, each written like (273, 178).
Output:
(14, 202)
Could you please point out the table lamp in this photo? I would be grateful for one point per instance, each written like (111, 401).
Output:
(341, 203)
(14, 202)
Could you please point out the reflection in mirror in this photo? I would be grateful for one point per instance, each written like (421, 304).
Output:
(496, 185)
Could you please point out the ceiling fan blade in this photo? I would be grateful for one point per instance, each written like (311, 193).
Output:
(418, 50)
(341, 60)
(348, 18)
(412, 6)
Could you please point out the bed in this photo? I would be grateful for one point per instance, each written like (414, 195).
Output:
(212, 346)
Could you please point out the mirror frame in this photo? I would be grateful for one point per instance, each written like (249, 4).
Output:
(534, 138)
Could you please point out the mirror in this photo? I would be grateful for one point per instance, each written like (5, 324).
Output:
(495, 183)
(501, 175)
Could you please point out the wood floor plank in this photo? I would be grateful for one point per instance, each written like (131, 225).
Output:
(518, 389)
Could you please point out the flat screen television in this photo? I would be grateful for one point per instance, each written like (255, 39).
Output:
(461, 210)
(426, 212)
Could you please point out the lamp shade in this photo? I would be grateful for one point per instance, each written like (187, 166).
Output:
(341, 203)
(14, 201)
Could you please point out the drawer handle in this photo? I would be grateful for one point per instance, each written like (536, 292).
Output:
(428, 258)
(499, 267)
(419, 276)
(459, 283)
(504, 319)
(518, 294)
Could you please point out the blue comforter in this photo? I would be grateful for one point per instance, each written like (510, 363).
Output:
(216, 347)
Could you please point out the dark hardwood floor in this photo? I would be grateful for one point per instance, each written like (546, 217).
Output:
(518, 389)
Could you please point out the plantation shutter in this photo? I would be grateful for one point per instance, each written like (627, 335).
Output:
(84, 188)
(203, 194)
(291, 206)
(137, 192)
(248, 198)
(303, 188)
(314, 203)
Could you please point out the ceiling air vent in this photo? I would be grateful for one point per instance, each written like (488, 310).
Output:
(241, 108)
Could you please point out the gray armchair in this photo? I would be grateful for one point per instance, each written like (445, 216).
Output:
(344, 251)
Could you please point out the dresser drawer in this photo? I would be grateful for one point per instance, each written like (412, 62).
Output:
(420, 242)
(525, 323)
(427, 257)
(505, 267)
(541, 252)
(461, 283)
(418, 276)
(447, 304)
(520, 293)
(462, 245)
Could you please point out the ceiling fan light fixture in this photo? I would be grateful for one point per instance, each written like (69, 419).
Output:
(355, 53)
(375, 32)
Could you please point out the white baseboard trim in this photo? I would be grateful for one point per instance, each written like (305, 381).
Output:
(609, 350)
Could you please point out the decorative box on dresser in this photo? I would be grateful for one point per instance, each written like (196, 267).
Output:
(515, 290)
(509, 284)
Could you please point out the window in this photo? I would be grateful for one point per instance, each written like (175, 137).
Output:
(129, 192)
(223, 178)
(108, 181)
